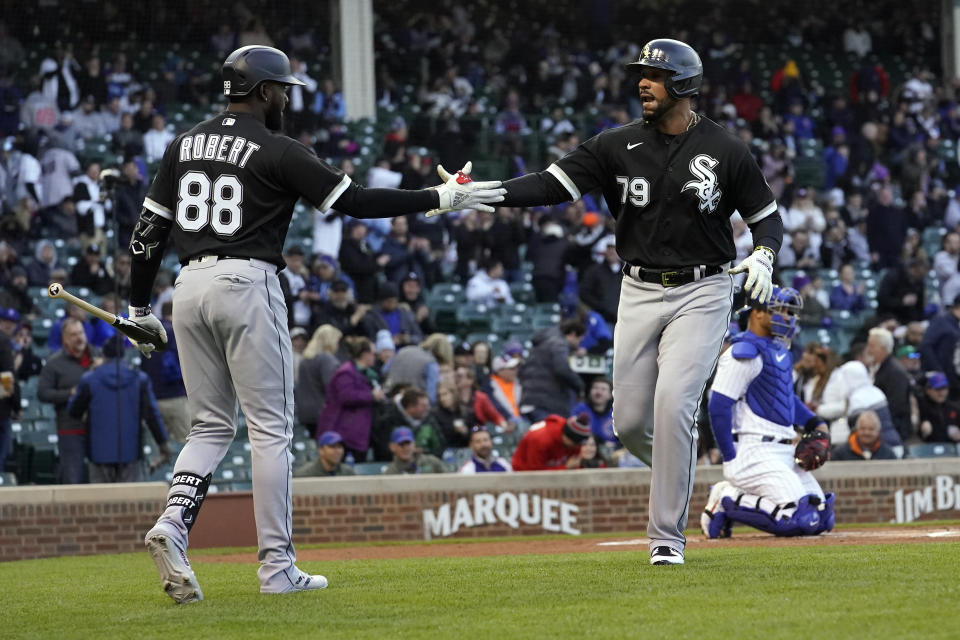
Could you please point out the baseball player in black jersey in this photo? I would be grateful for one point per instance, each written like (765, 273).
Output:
(672, 181)
(225, 190)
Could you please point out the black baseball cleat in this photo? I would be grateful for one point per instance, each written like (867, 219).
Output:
(665, 555)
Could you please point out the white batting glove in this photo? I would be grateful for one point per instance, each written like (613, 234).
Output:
(459, 191)
(144, 317)
(759, 268)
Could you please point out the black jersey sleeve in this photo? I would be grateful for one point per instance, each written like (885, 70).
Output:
(535, 189)
(360, 202)
(583, 169)
(162, 197)
(754, 199)
(304, 173)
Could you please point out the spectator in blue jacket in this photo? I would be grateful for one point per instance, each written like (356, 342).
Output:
(97, 332)
(165, 375)
(940, 341)
(848, 293)
(116, 399)
(599, 407)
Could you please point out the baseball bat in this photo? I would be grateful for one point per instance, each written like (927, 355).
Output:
(132, 330)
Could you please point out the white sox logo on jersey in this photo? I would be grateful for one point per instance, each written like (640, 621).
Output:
(706, 187)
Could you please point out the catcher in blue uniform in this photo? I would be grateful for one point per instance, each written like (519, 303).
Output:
(754, 414)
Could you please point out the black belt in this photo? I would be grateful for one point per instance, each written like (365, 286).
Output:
(736, 438)
(219, 257)
(668, 277)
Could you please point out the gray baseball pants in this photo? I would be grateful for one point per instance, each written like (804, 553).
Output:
(231, 326)
(665, 347)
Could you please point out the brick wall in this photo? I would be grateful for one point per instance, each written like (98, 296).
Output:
(52, 521)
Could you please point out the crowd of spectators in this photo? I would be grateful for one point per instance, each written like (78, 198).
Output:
(860, 170)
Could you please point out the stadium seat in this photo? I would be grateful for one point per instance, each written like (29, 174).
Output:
(933, 450)
(472, 318)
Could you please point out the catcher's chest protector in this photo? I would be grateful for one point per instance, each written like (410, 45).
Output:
(770, 395)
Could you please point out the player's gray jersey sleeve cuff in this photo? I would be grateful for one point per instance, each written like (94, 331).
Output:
(335, 193)
(157, 208)
(565, 180)
(763, 213)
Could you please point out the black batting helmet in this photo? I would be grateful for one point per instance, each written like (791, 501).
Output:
(248, 66)
(677, 57)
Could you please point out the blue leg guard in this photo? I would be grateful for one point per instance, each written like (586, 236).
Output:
(804, 521)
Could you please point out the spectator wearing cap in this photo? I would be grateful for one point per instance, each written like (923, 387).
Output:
(864, 442)
(892, 380)
(411, 409)
(909, 358)
(324, 271)
(902, 291)
(329, 461)
(419, 365)
(390, 315)
(553, 443)
(114, 401)
(482, 458)
(487, 285)
(350, 398)
(316, 369)
(599, 408)
(340, 310)
(293, 283)
(600, 287)
(463, 354)
(411, 295)
(504, 388)
(549, 383)
(939, 417)
(90, 272)
(940, 341)
(406, 459)
(848, 294)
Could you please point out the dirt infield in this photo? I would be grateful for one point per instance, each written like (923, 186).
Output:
(572, 544)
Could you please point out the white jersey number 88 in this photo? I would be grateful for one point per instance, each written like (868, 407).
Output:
(194, 203)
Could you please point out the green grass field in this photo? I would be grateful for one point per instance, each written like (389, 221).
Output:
(870, 591)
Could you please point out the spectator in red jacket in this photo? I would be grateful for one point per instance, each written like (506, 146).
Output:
(552, 444)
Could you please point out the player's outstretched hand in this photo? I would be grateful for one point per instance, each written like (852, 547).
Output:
(144, 317)
(759, 268)
(459, 191)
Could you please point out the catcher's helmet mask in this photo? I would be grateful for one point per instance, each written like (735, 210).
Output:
(247, 67)
(679, 59)
(784, 305)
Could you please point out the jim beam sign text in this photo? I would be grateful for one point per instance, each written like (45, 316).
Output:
(943, 495)
(512, 509)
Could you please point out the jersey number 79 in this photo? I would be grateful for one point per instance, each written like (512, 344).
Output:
(199, 203)
(637, 188)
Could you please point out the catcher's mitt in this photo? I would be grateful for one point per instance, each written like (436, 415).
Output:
(813, 450)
